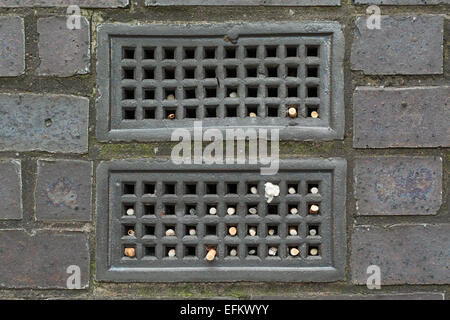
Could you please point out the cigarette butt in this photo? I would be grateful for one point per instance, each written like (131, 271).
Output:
(294, 252)
(212, 210)
(233, 252)
(130, 211)
(293, 211)
(171, 116)
(231, 211)
(314, 209)
(314, 114)
(313, 252)
(172, 253)
(232, 231)
(293, 231)
(252, 210)
(271, 232)
(314, 190)
(252, 114)
(130, 252)
(292, 112)
(273, 251)
(292, 190)
(131, 232)
(254, 190)
(233, 94)
(211, 254)
(192, 232)
(170, 232)
(170, 97)
(312, 232)
(252, 231)
(252, 252)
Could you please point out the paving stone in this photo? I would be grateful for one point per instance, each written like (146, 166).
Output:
(368, 296)
(244, 2)
(53, 123)
(10, 190)
(63, 52)
(12, 46)
(402, 2)
(403, 45)
(63, 190)
(41, 259)
(406, 254)
(401, 117)
(65, 3)
(398, 185)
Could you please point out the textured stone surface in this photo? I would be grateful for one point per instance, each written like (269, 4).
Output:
(244, 2)
(406, 254)
(53, 123)
(401, 117)
(63, 190)
(403, 45)
(63, 52)
(40, 260)
(398, 185)
(369, 296)
(402, 2)
(10, 190)
(12, 46)
(65, 3)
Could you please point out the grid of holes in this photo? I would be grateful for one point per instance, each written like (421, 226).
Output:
(159, 228)
(235, 81)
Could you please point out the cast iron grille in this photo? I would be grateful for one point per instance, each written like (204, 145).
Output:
(158, 223)
(167, 77)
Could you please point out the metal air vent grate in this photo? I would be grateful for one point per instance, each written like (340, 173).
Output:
(159, 223)
(285, 76)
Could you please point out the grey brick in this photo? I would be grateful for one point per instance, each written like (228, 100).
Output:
(406, 254)
(243, 2)
(398, 185)
(401, 117)
(63, 52)
(12, 44)
(10, 190)
(65, 3)
(63, 190)
(402, 2)
(403, 45)
(53, 123)
(41, 259)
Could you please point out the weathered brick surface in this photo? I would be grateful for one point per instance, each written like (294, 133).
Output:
(63, 190)
(406, 254)
(243, 2)
(63, 52)
(398, 185)
(40, 260)
(10, 190)
(370, 296)
(402, 2)
(12, 46)
(401, 117)
(65, 3)
(53, 123)
(403, 45)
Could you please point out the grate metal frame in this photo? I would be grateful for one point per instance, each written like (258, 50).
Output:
(134, 85)
(189, 265)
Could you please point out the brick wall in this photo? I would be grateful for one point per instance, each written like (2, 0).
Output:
(396, 144)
